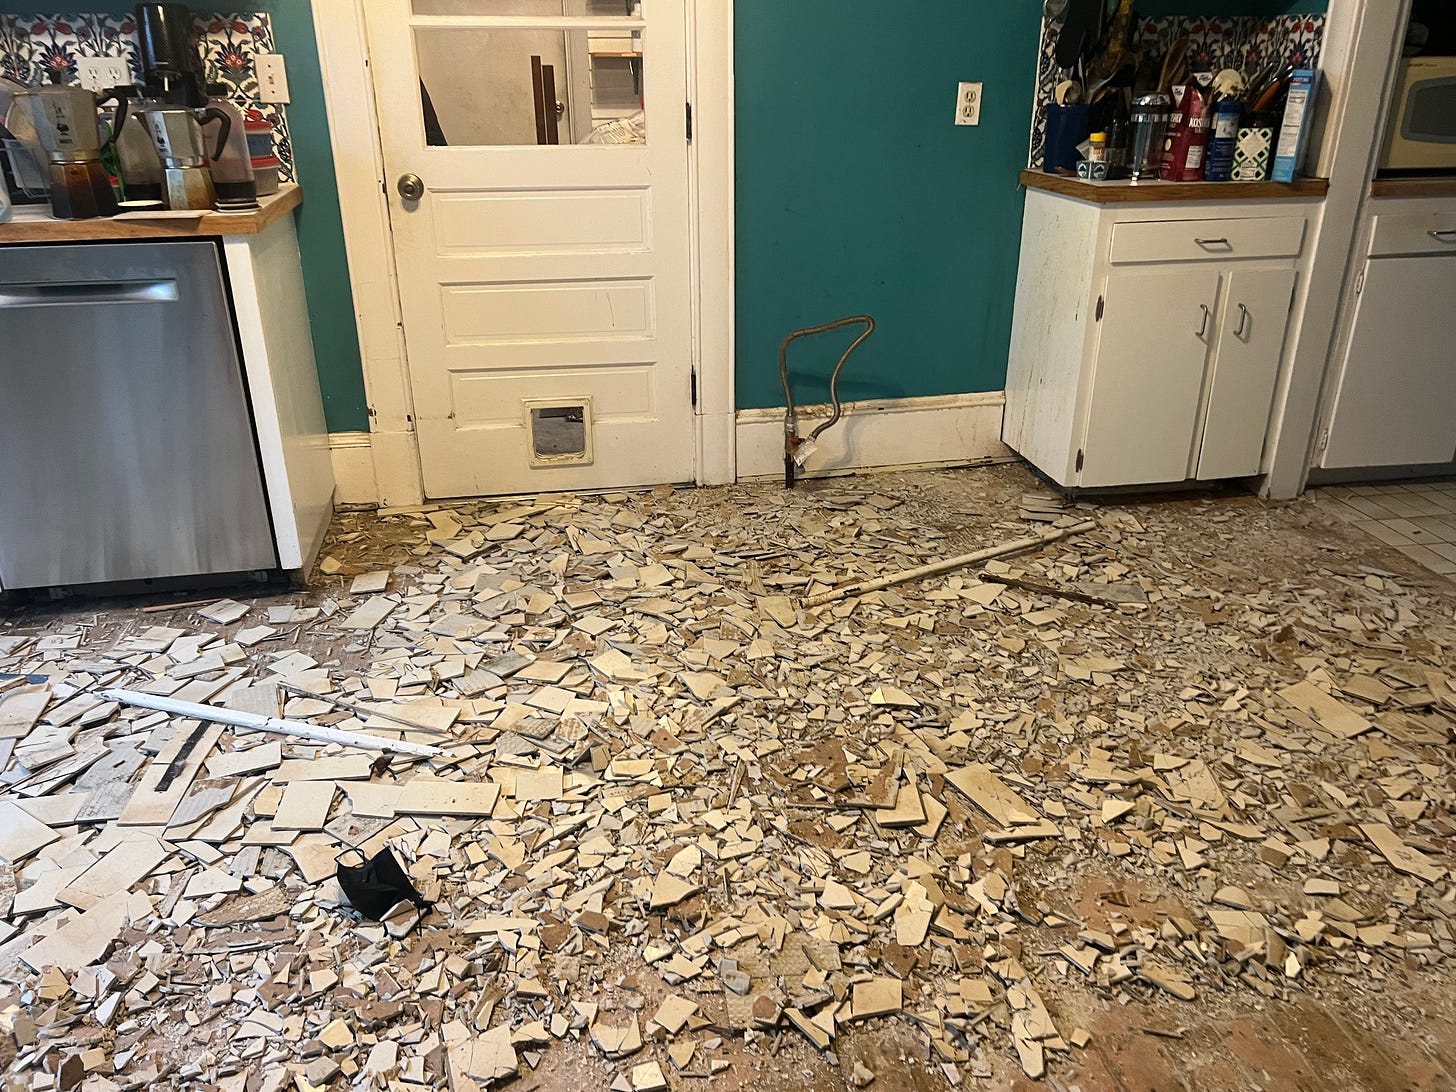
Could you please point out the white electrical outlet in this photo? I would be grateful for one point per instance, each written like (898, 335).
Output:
(968, 104)
(272, 77)
(103, 73)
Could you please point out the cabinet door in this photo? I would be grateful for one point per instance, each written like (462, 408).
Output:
(1394, 406)
(1245, 368)
(1147, 380)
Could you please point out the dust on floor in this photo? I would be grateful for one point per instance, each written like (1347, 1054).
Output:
(961, 831)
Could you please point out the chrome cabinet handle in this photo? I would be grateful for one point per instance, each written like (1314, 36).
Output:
(1211, 242)
(1207, 314)
(1243, 321)
(411, 187)
(1444, 235)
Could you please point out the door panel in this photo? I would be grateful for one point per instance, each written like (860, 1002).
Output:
(530, 272)
(532, 222)
(482, 314)
(1245, 369)
(1394, 405)
(1148, 378)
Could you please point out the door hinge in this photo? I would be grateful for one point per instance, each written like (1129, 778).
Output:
(1080, 460)
(694, 382)
(1324, 440)
(1101, 307)
(689, 109)
(1360, 282)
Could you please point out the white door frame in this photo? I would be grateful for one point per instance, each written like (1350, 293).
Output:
(364, 206)
(1362, 43)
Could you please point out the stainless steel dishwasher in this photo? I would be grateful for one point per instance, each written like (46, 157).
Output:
(126, 441)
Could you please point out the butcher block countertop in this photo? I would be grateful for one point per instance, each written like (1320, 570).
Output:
(1152, 193)
(1442, 186)
(33, 223)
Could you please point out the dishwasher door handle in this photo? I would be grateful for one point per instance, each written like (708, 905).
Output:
(56, 294)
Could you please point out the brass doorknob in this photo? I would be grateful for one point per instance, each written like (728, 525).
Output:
(411, 187)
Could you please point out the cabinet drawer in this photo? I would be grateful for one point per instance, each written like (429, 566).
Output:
(1207, 240)
(1419, 233)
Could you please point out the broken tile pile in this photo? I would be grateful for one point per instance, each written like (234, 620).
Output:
(684, 820)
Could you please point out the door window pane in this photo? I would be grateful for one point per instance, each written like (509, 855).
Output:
(514, 87)
(598, 9)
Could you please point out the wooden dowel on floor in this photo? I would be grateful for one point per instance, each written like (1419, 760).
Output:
(360, 710)
(161, 608)
(1047, 589)
(935, 568)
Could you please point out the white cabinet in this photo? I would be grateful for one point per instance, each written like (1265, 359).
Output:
(1395, 397)
(1151, 359)
(1148, 340)
(1245, 371)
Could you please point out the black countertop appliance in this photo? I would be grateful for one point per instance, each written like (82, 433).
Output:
(171, 62)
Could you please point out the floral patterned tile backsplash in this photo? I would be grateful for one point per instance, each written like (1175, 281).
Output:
(1243, 42)
(34, 47)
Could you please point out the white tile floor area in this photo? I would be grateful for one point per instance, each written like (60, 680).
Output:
(1417, 518)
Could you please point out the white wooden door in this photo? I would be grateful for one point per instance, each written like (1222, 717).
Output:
(1396, 404)
(545, 289)
(1245, 368)
(1147, 380)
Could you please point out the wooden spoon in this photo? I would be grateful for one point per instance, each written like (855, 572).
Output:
(1174, 64)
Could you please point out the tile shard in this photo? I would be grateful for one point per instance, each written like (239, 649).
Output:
(655, 766)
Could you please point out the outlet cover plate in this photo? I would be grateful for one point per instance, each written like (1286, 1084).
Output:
(272, 77)
(103, 73)
(968, 103)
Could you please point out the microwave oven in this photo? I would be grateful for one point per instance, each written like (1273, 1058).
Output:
(1422, 131)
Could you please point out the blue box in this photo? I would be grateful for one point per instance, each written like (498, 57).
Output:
(1293, 140)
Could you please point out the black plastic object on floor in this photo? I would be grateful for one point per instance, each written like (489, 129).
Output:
(374, 887)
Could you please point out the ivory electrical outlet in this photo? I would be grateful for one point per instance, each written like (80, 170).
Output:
(103, 73)
(968, 103)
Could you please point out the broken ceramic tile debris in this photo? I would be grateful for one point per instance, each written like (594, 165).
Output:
(667, 812)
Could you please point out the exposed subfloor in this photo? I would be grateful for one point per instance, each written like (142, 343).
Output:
(957, 831)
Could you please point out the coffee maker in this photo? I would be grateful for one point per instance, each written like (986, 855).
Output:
(232, 163)
(65, 121)
(177, 133)
(173, 103)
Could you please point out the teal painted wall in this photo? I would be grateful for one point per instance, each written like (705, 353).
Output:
(857, 194)
(320, 229)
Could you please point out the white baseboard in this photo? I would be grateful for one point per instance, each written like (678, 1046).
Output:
(951, 430)
(353, 457)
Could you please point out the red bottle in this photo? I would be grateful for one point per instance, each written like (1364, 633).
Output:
(1188, 136)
